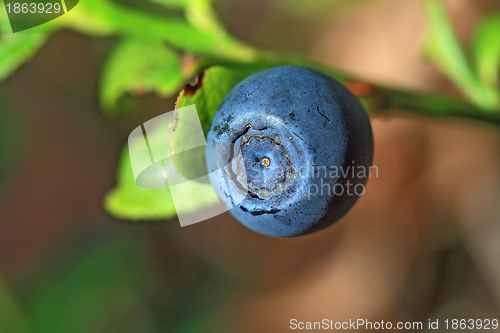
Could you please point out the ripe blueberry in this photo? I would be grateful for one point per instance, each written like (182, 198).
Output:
(293, 148)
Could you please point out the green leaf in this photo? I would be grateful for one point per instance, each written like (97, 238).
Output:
(486, 49)
(212, 86)
(131, 202)
(444, 49)
(140, 67)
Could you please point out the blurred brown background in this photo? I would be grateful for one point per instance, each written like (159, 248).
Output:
(423, 242)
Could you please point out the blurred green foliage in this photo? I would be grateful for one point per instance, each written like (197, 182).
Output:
(158, 69)
(105, 287)
(486, 50)
(120, 284)
(12, 318)
(160, 53)
(92, 294)
(445, 50)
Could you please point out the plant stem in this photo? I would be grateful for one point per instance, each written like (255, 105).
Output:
(202, 34)
(378, 99)
(434, 105)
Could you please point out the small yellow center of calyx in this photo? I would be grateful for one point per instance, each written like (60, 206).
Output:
(266, 162)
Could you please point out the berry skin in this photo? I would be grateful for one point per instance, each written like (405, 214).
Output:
(285, 142)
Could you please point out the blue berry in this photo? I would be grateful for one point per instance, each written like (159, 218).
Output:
(289, 143)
